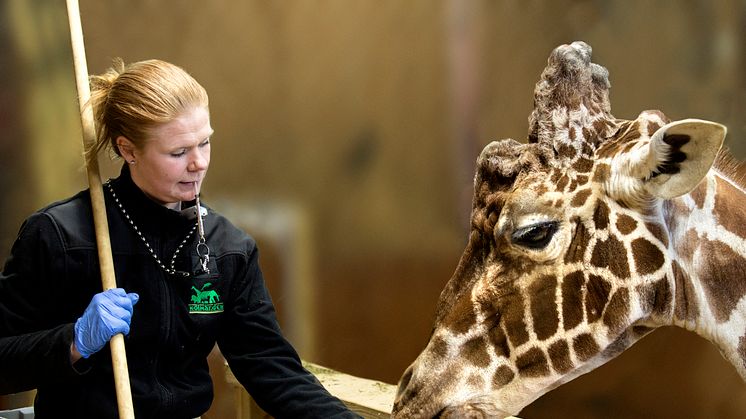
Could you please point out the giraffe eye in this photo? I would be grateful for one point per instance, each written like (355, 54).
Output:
(536, 236)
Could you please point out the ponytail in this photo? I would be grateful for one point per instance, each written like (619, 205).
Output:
(130, 100)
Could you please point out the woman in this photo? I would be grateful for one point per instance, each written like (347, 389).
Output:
(186, 282)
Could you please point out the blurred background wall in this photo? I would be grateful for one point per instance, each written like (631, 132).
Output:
(346, 135)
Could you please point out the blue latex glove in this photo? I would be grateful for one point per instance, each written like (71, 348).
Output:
(109, 313)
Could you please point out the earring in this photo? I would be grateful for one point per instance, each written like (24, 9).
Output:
(131, 161)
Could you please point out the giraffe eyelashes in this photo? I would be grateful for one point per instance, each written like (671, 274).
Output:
(536, 236)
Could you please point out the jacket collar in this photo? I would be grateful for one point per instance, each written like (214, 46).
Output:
(146, 213)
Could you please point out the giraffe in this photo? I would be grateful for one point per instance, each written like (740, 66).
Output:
(584, 239)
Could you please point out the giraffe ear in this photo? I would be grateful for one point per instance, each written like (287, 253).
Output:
(670, 164)
(681, 154)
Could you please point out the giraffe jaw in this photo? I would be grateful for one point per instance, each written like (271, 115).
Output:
(475, 408)
(424, 398)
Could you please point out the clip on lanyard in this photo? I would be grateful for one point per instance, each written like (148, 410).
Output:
(203, 251)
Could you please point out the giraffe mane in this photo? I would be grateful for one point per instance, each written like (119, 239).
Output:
(728, 166)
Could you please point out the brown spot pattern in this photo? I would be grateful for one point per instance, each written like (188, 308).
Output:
(475, 381)
(612, 254)
(596, 297)
(543, 307)
(721, 278)
(559, 355)
(462, 315)
(698, 195)
(515, 325)
(685, 308)
(648, 258)
(625, 224)
(580, 240)
(631, 132)
(579, 199)
(499, 341)
(600, 125)
(585, 346)
(601, 215)
(583, 165)
(573, 186)
(503, 376)
(439, 347)
(617, 311)
(562, 183)
(572, 307)
(555, 176)
(602, 173)
(658, 232)
(629, 146)
(532, 363)
(588, 134)
(639, 332)
(608, 149)
(656, 297)
(475, 351)
(652, 127)
(588, 149)
(729, 212)
(566, 151)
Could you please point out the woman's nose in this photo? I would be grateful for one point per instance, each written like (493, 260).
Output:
(199, 161)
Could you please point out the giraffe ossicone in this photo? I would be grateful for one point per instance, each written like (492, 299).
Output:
(583, 239)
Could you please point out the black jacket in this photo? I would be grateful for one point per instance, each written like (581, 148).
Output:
(53, 272)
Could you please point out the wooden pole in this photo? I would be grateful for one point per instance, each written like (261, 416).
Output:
(106, 262)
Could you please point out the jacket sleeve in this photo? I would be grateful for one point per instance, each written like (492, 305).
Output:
(34, 343)
(264, 361)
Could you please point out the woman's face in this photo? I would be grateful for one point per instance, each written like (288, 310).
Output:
(173, 161)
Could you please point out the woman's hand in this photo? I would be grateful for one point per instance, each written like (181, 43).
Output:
(109, 313)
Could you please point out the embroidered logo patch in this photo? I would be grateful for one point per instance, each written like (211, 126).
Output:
(205, 300)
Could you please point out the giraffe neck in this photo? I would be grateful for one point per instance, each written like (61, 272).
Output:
(708, 231)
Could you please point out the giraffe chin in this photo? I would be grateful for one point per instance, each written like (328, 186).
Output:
(473, 410)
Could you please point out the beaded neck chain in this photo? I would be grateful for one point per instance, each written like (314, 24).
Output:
(170, 270)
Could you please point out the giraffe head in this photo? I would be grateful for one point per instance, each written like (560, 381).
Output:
(567, 262)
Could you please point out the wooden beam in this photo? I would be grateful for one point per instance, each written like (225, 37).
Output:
(369, 398)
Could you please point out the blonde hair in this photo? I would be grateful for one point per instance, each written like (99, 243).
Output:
(129, 100)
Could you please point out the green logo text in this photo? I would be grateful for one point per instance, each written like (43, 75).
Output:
(205, 300)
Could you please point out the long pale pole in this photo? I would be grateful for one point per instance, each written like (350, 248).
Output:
(105, 260)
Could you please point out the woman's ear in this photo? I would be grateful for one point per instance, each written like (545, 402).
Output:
(126, 149)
